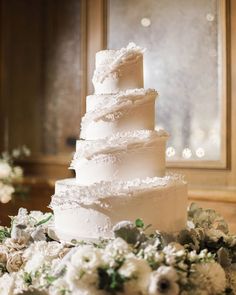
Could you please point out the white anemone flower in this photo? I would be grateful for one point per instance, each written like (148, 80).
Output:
(137, 271)
(82, 269)
(86, 257)
(163, 281)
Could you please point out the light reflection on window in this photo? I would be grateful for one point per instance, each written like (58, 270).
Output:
(183, 63)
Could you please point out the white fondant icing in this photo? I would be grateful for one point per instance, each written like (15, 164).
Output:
(157, 201)
(120, 167)
(124, 156)
(130, 110)
(100, 101)
(118, 70)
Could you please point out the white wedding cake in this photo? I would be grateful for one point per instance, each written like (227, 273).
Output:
(120, 159)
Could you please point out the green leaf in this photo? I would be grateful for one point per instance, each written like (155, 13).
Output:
(27, 278)
(50, 279)
(110, 280)
(4, 233)
(139, 223)
(44, 220)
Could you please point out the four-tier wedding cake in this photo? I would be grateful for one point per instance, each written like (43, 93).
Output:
(120, 159)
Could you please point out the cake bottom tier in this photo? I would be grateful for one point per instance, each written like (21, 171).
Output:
(90, 212)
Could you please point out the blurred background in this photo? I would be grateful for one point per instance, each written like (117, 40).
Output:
(47, 61)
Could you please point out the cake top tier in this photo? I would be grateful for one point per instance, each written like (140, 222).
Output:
(118, 69)
(117, 57)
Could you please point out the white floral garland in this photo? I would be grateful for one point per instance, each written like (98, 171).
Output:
(200, 260)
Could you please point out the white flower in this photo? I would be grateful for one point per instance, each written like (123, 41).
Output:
(210, 276)
(14, 261)
(21, 217)
(87, 257)
(5, 170)
(137, 271)
(192, 256)
(79, 278)
(17, 172)
(163, 281)
(26, 151)
(115, 251)
(6, 192)
(172, 251)
(7, 284)
(16, 153)
(58, 286)
(16, 244)
(152, 255)
(82, 268)
(33, 264)
(40, 253)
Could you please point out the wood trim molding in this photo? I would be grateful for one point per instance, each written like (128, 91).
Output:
(213, 195)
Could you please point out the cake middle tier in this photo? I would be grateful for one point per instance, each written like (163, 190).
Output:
(125, 111)
(123, 156)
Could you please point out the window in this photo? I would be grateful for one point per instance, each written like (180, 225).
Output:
(186, 62)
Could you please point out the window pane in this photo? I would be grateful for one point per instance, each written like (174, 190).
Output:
(183, 62)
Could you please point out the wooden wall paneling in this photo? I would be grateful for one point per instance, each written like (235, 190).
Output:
(21, 29)
(43, 79)
(62, 75)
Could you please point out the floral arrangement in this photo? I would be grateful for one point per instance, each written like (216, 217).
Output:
(199, 260)
(10, 174)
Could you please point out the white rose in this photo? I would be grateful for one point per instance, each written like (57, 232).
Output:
(6, 192)
(3, 254)
(5, 170)
(16, 244)
(14, 262)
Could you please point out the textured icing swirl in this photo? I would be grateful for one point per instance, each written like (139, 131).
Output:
(117, 59)
(121, 141)
(112, 106)
(69, 194)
